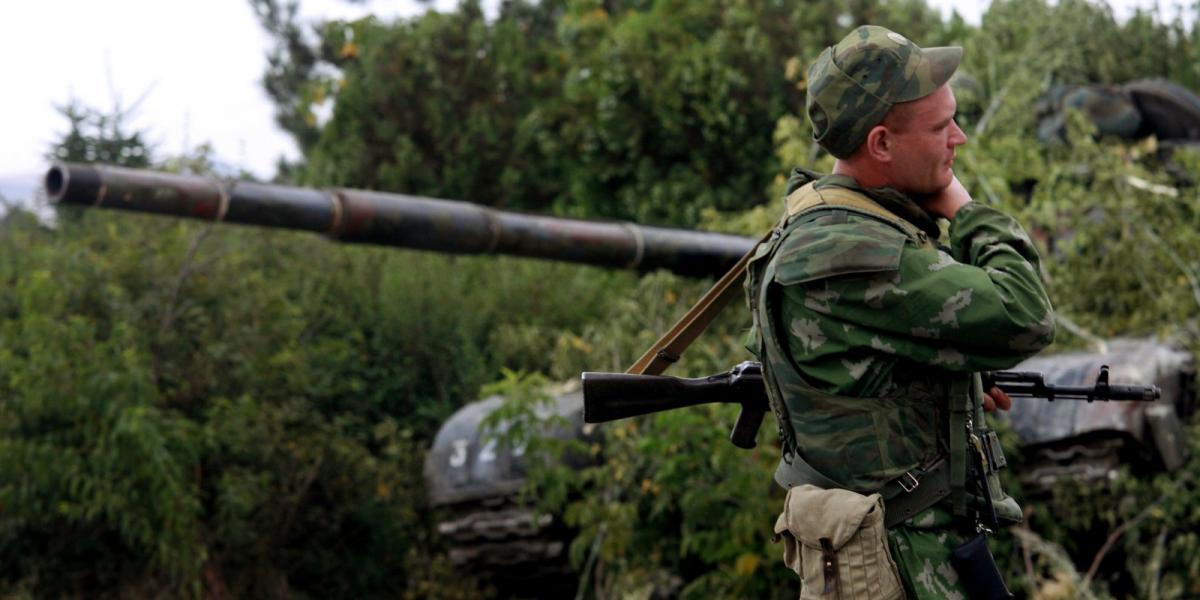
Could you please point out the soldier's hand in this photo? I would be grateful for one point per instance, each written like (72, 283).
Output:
(996, 398)
(946, 203)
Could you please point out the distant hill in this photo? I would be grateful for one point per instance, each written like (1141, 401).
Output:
(20, 187)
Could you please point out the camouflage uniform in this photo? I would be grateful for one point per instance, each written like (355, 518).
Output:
(871, 335)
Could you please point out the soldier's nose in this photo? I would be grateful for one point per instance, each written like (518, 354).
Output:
(957, 136)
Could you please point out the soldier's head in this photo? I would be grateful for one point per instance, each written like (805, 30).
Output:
(880, 103)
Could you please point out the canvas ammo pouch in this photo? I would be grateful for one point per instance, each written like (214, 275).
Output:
(836, 541)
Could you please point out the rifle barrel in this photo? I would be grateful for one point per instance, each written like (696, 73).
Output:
(1113, 392)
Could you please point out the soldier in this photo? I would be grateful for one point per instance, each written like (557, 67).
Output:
(872, 334)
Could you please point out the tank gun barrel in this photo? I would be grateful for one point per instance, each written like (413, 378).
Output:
(359, 216)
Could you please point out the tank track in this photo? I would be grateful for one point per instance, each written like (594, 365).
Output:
(509, 545)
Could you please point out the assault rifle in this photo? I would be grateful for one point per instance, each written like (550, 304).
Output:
(1033, 385)
(612, 396)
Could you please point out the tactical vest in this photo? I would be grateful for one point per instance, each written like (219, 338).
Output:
(863, 444)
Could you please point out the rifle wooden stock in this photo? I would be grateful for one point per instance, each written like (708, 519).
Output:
(613, 396)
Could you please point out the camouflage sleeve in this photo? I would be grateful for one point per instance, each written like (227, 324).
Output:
(981, 306)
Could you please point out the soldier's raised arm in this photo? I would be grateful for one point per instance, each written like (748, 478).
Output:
(980, 306)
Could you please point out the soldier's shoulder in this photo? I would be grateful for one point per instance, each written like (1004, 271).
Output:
(821, 248)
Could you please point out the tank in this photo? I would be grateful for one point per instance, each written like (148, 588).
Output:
(478, 481)
(1133, 110)
(1090, 441)
(473, 480)
(357, 216)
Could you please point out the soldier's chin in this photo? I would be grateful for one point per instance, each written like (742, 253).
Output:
(943, 181)
(927, 191)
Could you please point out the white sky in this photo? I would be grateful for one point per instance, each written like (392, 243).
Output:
(198, 65)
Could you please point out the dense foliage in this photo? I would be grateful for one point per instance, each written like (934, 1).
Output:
(189, 410)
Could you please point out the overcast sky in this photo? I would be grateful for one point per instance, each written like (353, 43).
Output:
(195, 64)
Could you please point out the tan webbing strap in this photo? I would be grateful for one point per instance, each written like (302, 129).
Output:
(808, 197)
(671, 345)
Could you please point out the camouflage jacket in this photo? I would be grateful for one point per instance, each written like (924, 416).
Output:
(874, 325)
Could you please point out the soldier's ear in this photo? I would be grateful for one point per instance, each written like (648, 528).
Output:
(879, 144)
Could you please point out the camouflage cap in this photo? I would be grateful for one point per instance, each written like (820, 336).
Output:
(852, 85)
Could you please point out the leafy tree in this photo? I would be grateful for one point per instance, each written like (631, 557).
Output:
(291, 63)
(94, 135)
(666, 109)
(427, 106)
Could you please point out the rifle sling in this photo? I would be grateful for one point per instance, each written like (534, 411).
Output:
(671, 345)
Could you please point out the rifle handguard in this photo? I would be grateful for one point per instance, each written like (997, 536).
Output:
(1033, 385)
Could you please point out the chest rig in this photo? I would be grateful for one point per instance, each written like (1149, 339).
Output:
(884, 444)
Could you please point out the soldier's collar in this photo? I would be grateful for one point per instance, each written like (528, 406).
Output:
(888, 197)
